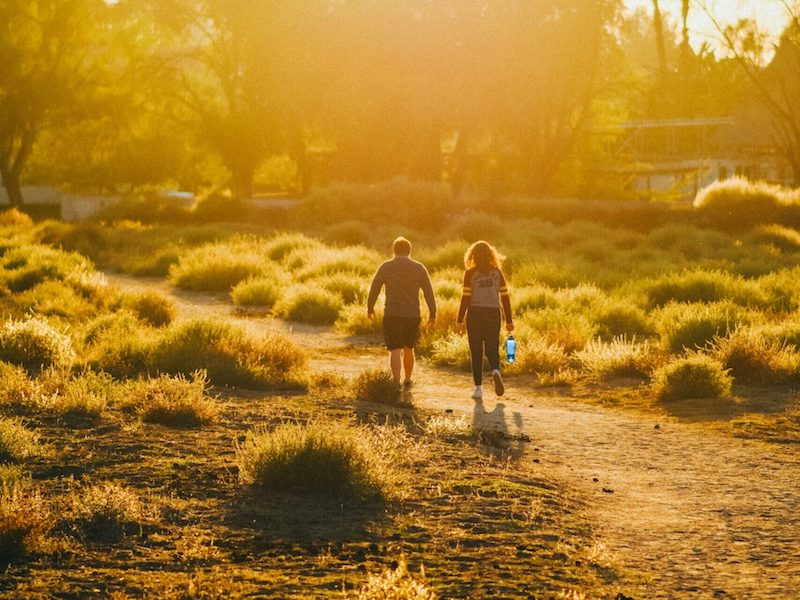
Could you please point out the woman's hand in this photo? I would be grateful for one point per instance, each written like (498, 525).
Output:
(509, 327)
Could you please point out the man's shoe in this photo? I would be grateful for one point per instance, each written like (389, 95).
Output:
(499, 388)
(478, 393)
(408, 384)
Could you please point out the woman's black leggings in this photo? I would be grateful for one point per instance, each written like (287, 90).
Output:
(483, 333)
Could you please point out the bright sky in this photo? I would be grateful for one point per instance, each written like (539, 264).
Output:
(770, 14)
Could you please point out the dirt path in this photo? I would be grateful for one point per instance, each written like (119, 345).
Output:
(699, 513)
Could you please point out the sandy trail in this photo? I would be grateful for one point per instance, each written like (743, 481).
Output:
(698, 513)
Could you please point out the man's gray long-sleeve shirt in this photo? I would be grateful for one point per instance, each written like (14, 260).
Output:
(403, 278)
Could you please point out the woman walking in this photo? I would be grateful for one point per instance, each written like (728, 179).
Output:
(485, 295)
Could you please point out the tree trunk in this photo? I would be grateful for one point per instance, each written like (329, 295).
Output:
(658, 26)
(12, 187)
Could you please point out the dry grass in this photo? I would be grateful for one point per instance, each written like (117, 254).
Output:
(175, 401)
(395, 584)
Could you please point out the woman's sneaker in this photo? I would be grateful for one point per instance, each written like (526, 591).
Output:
(497, 379)
(478, 393)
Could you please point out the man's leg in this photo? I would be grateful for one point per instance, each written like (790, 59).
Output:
(395, 362)
(408, 362)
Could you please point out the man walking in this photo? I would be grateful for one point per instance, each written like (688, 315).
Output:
(403, 278)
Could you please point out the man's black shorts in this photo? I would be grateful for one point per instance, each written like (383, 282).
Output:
(400, 332)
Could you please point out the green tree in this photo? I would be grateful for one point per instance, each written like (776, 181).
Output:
(45, 59)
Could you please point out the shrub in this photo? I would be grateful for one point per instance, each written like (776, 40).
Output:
(86, 395)
(13, 217)
(278, 247)
(395, 584)
(694, 376)
(535, 354)
(447, 284)
(54, 299)
(352, 288)
(119, 345)
(217, 208)
(29, 265)
(106, 512)
(353, 320)
(229, 355)
(785, 239)
(378, 385)
(318, 459)
(620, 318)
(309, 304)
(533, 297)
(782, 289)
(546, 273)
(16, 441)
(357, 260)
(692, 326)
(700, 286)
(219, 266)
(560, 327)
(256, 291)
(751, 357)
(347, 233)
(619, 358)
(738, 203)
(451, 350)
(175, 401)
(473, 225)
(150, 307)
(17, 390)
(449, 255)
(24, 519)
(34, 344)
(153, 264)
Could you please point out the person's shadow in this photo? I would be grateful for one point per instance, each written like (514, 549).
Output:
(491, 429)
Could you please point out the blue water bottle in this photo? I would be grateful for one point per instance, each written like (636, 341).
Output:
(511, 348)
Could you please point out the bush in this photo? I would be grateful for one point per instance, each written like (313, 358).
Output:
(309, 304)
(219, 266)
(229, 355)
(119, 345)
(449, 255)
(347, 233)
(619, 358)
(737, 203)
(29, 265)
(535, 354)
(620, 318)
(701, 286)
(785, 239)
(24, 519)
(533, 297)
(689, 377)
(278, 247)
(569, 330)
(751, 357)
(150, 307)
(175, 401)
(17, 390)
(54, 299)
(352, 288)
(353, 320)
(357, 260)
(379, 386)
(106, 512)
(86, 395)
(687, 327)
(452, 351)
(256, 291)
(395, 584)
(34, 344)
(317, 459)
(13, 217)
(16, 442)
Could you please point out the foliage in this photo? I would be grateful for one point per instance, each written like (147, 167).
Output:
(105, 512)
(218, 267)
(395, 584)
(86, 395)
(693, 376)
(378, 385)
(619, 358)
(738, 203)
(151, 307)
(16, 441)
(256, 291)
(309, 304)
(24, 520)
(451, 350)
(785, 239)
(34, 344)
(353, 320)
(537, 354)
(692, 326)
(316, 459)
(174, 401)
(752, 357)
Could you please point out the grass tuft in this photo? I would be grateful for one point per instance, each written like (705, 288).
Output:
(396, 584)
(318, 458)
(377, 385)
(16, 441)
(695, 376)
(175, 401)
(34, 344)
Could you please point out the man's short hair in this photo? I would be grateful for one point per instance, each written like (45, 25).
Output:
(401, 246)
